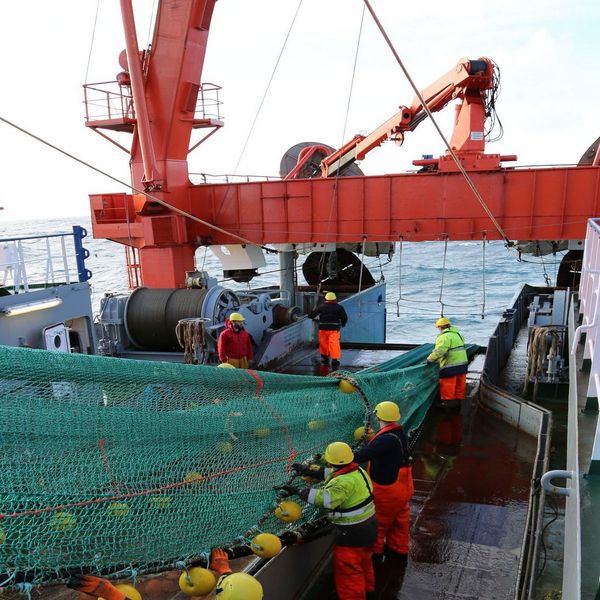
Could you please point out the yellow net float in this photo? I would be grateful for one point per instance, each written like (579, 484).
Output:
(129, 591)
(197, 581)
(288, 511)
(265, 545)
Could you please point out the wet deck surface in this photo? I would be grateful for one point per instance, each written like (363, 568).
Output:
(307, 362)
(472, 475)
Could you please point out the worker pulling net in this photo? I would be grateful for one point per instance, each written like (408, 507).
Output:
(113, 464)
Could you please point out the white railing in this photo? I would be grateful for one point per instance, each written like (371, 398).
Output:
(589, 296)
(37, 261)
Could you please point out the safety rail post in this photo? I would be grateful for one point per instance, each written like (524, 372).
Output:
(81, 253)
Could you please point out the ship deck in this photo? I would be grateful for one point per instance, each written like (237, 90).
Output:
(472, 479)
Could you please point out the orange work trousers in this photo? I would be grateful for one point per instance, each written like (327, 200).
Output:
(353, 572)
(329, 344)
(453, 388)
(392, 509)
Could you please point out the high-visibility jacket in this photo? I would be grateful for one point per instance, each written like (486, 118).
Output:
(450, 352)
(347, 493)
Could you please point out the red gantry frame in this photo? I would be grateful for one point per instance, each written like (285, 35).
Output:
(160, 100)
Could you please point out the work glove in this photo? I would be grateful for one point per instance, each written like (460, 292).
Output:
(308, 469)
(292, 490)
(96, 586)
(219, 561)
(289, 538)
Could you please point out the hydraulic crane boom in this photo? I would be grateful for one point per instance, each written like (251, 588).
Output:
(472, 81)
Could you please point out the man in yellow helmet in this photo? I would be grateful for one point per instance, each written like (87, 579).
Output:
(347, 493)
(235, 345)
(451, 355)
(389, 468)
(332, 317)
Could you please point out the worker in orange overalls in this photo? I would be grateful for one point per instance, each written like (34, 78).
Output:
(389, 467)
(332, 317)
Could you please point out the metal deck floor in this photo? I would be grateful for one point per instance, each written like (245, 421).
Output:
(472, 475)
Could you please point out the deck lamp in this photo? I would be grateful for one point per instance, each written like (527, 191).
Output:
(21, 309)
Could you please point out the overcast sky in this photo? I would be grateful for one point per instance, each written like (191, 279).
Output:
(547, 51)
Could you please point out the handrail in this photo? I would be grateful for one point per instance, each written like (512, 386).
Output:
(571, 589)
(28, 262)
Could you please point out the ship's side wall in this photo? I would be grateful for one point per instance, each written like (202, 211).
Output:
(523, 415)
(74, 309)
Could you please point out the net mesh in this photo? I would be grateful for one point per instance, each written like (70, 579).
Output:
(112, 464)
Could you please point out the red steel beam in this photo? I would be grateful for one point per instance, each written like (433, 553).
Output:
(541, 204)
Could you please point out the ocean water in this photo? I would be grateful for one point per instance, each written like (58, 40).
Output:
(473, 281)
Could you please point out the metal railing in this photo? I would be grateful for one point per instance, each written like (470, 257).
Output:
(111, 100)
(589, 296)
(32, 262)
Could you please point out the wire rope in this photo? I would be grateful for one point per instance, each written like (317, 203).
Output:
(148, 195)
(89, 60)
(262, 101)
(443, 274)
(334, 190)
(483, 242)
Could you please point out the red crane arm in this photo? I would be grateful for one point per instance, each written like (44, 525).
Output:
(529, 204)
(166, 86)
(469, 81)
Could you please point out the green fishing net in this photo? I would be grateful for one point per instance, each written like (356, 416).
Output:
(112, 464)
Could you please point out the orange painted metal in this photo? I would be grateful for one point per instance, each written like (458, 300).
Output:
(542, 203)
(469, 81)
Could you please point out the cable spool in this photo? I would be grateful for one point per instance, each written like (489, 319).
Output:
(339, 270)
(151, 315)
(312, 167)
(284, 316)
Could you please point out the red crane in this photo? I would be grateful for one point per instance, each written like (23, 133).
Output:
(158, 100)
(470, 81)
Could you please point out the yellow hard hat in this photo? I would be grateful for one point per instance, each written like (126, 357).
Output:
(226, 366)
(236, 316)
(238, 586)
(442, 322)
(330, 296)
(338, 454)
(387, 411)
